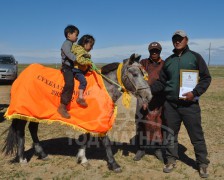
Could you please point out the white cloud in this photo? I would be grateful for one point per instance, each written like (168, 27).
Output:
(199, 45)
(118, 53)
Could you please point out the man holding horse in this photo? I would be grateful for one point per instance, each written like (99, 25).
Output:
(150, 124)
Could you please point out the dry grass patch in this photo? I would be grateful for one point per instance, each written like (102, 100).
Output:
(59, 142)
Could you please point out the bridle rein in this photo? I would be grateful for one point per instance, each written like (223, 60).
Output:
(127, 77)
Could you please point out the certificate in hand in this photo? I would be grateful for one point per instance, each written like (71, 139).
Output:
(188, 81)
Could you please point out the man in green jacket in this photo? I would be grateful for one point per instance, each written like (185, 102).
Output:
(184, 107)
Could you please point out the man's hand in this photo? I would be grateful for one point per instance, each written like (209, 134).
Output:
(188, 96)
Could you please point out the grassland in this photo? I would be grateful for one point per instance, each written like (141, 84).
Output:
(59, 143)
(56, 66)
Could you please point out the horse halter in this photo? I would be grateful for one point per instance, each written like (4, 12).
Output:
(127, 76)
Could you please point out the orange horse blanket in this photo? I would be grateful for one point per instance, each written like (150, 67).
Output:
(35, 96)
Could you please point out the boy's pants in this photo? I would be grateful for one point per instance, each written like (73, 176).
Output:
(79, 75)
(67, 91)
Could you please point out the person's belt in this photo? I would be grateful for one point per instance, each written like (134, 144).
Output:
(66, 62)
(181, 102)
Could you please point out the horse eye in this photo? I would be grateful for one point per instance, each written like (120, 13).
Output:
(133, 72)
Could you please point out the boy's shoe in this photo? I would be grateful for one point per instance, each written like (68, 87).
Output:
(203, 172)
(169, 167)
(63, 111)
(82, 102)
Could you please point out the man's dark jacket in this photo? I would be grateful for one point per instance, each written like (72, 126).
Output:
(169, 80)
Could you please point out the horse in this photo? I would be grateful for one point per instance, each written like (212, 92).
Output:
(132, 77)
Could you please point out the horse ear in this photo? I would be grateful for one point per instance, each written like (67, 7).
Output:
(137, 57)
(134, 58)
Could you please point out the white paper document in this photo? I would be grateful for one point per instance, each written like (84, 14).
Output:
(188, 81)
(184, 90)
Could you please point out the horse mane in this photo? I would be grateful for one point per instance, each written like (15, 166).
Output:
(109, 67)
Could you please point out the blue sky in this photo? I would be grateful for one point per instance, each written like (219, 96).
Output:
(32, 30)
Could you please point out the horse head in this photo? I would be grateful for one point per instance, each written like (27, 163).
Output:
(134, 79)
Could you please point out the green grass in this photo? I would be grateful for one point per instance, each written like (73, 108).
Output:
(21, 67)
(216, 71)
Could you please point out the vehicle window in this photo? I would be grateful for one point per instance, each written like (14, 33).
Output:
(6, 60)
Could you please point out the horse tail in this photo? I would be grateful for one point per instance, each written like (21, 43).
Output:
(10, 144)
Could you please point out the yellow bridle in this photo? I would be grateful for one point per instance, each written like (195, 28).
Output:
(126, 97)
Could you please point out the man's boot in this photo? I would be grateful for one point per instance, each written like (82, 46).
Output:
(63, 111)
(203, 172)
(159, 154)
(141, 150)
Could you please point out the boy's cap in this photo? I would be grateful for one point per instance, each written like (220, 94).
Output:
(155, 45)
(180, 33)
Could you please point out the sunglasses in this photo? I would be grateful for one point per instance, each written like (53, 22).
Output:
(157, 51)
(177, 38)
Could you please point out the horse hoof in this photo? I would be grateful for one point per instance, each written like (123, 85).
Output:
(86, 165)
(115, 167)
(46, 158)
(23, 161)
(118, 170)
(78, 160)
(81, 160)
(139, 155)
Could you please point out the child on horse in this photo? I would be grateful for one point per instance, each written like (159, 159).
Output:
(69, 59)
(82, 64)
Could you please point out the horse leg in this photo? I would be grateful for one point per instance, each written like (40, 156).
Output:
(111, 161)
(20, 135)
(11, 142)
(81, 155)
(33, 128)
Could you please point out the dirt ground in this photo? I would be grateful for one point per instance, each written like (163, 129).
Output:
(60, 142)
